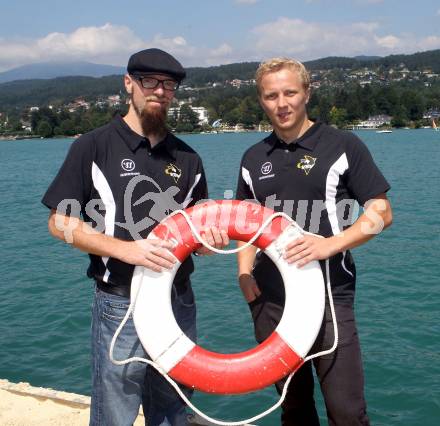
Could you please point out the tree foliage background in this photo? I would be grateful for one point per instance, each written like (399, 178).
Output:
(339, 100)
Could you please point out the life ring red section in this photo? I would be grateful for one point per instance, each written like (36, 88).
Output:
(241, 220)
(248, 371)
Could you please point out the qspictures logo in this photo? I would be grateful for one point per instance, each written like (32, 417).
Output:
(306, 164)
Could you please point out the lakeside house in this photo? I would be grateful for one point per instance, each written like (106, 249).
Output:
(201, 112)
(374, 122)
(432, 114)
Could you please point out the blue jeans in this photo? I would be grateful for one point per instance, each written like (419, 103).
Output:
(118, 391)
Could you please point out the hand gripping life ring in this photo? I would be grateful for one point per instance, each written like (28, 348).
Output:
(280, 354)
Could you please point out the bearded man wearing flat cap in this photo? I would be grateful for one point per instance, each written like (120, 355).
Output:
(116, 183)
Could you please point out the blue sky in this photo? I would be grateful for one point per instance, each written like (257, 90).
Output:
(203, 33)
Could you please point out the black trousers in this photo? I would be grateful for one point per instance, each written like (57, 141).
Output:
(340, 374)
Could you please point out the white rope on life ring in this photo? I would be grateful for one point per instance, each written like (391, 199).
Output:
(282, 353)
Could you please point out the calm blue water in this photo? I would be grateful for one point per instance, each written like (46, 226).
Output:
(45, 312)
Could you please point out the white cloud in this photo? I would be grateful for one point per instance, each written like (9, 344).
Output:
(388, 42)
(222, 50)
(105, 44)
(310, 40)
(295, 37)
(108, 44)
(113, 44)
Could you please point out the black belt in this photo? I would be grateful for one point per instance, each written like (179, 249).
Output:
(124, 291)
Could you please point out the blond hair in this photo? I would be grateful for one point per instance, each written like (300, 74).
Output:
(277, 64)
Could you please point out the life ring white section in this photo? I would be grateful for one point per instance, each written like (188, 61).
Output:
(304, 296)
(154, 319)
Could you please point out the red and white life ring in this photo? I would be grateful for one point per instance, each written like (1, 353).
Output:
(190, 364)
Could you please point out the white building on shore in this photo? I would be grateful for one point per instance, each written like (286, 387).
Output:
(374, 122)
(201, 112)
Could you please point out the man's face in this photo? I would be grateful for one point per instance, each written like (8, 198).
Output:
(157, 98)
(284, 98)
(151, 105)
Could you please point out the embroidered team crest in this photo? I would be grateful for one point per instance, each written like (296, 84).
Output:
(306, 164)
(173, 171)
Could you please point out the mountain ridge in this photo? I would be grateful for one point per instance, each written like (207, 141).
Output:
(49, 70)
(62, 90)
(243, 70)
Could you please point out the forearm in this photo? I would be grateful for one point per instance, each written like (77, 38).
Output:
(245, 259)
(248, 285)
(83, 237)
(150, 253)
(376, 217)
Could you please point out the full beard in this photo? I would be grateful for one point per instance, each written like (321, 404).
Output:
(153, 120)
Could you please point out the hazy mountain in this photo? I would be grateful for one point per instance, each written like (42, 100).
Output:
(203, 75)
(47, 70)
(63, 89)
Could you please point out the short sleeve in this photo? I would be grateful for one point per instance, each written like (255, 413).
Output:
(199, 191)
(73, 183)
(244, 184)
(364, 179)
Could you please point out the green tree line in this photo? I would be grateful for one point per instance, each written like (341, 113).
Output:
(340, 106)
(57, 91)
(338, 101)
(405, 103)
(416, 61)
(48, 123)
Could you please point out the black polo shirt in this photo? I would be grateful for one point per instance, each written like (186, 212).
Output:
(123, 187)
(319, 181)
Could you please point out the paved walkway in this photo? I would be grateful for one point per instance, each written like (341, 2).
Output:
(24, 405)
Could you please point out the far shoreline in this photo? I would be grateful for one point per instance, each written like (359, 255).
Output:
(13, 138)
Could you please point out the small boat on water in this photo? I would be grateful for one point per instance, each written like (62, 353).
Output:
(384, 131)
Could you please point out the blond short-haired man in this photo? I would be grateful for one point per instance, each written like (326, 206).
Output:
(314, 173)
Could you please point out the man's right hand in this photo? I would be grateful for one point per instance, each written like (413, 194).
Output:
(249, 287)
(150, 253)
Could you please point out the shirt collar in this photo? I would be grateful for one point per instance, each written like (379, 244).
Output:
(134, 140)
(168, 144)
(308, 140)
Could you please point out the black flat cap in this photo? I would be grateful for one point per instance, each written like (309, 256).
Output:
(155, 61)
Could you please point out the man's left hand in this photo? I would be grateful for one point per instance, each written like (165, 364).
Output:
(215, 238)
(307, 248)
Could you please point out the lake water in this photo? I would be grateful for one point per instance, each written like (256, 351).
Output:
(45, 313)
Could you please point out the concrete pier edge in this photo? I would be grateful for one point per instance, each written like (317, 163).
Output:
(72, 399)
(24, 388)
